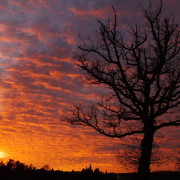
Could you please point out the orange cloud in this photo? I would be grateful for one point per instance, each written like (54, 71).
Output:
(100, 13)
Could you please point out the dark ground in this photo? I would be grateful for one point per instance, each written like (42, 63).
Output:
(58, 175)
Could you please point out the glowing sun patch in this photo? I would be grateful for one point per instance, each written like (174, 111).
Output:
(3, 154)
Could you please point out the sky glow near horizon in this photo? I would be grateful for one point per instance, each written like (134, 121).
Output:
(39, 83)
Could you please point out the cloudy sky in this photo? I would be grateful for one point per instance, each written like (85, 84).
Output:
(39, 82)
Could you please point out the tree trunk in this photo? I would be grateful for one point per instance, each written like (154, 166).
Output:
(146, 152)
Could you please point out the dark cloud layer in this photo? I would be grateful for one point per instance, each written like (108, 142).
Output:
(39, 82)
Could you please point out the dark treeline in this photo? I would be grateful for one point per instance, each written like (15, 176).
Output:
(15, 170)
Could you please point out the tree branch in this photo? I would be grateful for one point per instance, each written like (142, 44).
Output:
(173, 123)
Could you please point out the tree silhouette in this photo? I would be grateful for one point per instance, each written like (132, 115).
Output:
(143, 75)
(129, 156)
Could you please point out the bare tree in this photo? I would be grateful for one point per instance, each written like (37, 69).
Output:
(143, 75)
(130, 154)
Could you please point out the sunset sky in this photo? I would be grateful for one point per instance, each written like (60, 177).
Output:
(39, 83)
